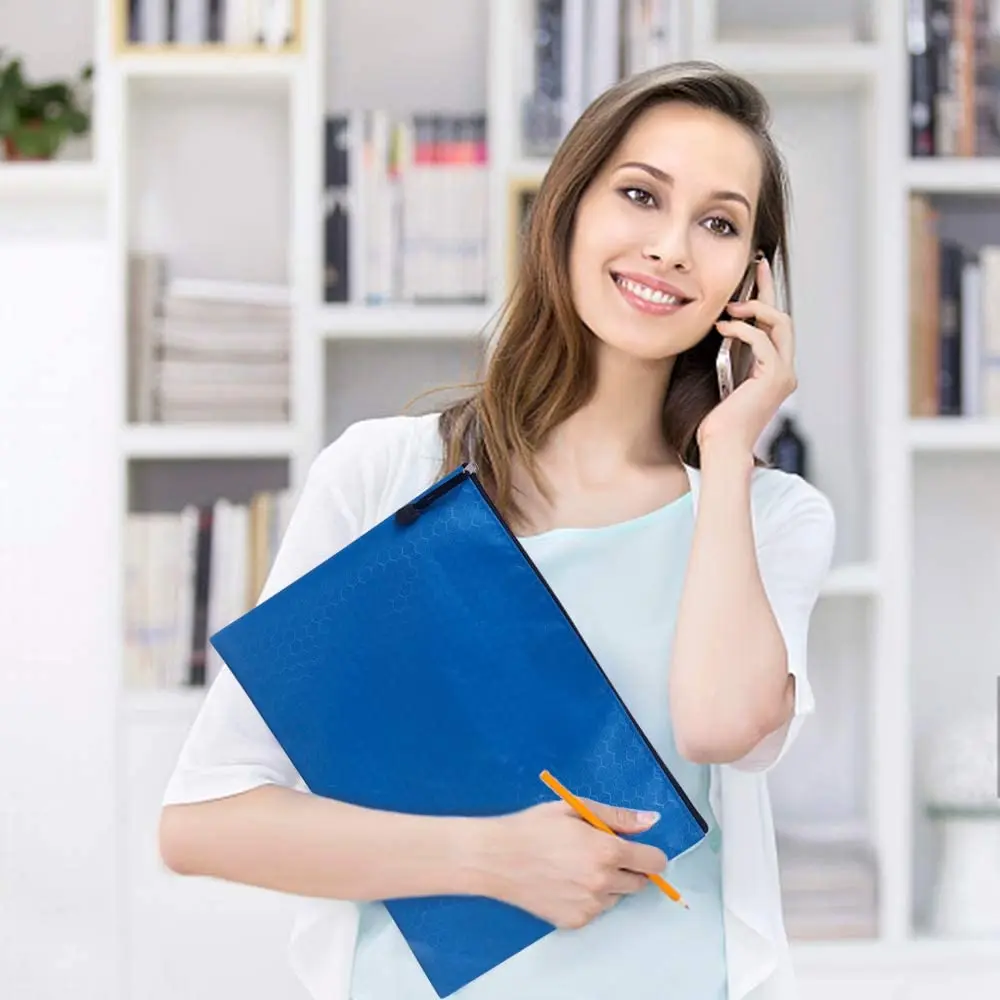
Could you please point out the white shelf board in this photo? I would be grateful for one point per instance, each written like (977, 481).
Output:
(408, 322)
(954, 175)
(954, 434)
(196, 441)
(839, 956)
(249, 71)
(166, 706)
(818, 63)
(51, 180)
(851, 580)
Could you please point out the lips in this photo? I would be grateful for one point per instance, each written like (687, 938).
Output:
(649, 295)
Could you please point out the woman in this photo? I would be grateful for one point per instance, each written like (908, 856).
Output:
(690, 569)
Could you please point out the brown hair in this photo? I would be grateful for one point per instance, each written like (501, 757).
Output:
(541, 369)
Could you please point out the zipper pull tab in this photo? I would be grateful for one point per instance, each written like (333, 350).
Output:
(407, 514)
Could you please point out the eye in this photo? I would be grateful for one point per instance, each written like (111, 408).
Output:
(639, 196)
(721, 226)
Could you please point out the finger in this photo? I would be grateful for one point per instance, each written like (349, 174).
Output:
(777, 324)
(643, 859)
(765, 351)
(765, 283)
(608, 900)
(759, 310)
(623, 820)
(624, 883)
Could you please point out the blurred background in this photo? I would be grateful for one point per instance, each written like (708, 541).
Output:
(229, 228)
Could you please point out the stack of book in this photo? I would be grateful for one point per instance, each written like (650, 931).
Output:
(202, 351)
(407, 203)
(954, 317)
(268, 23)
(579, 48)
(954, 56)
(187, 575)
(828, 883)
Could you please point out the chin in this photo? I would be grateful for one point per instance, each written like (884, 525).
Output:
(639, 347)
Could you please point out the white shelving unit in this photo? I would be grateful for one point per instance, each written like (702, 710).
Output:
(862, 85)
(840, 114)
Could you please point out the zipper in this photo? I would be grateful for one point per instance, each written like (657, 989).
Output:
(409, 513)
(469, 471)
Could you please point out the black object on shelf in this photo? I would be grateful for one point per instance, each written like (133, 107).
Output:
(788, 450)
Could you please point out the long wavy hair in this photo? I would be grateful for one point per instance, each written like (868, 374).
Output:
(542, 365)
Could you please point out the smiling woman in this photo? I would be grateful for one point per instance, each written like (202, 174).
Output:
(690, 571)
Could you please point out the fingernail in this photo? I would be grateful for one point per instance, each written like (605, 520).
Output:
(648, 818)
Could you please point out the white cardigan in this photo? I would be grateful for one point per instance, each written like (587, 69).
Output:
(371, 470)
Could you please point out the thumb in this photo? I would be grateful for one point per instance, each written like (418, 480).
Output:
(623, 820)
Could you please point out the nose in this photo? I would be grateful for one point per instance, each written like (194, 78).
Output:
(669, 245)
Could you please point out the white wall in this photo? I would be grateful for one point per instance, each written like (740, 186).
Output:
(58, 616)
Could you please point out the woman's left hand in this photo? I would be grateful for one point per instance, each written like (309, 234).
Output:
(740, 419)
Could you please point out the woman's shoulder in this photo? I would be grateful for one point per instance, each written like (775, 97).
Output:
(788, 506)
(375, 458)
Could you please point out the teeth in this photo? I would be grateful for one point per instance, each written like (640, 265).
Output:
(647, 293)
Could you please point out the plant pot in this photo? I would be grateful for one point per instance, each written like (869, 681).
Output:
(11, 152)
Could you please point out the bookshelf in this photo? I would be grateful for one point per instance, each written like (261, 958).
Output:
(840, 99)
(851, 176)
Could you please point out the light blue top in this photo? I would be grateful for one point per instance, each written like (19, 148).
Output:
(621, 585)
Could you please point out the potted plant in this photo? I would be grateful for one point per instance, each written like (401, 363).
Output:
(37, 118)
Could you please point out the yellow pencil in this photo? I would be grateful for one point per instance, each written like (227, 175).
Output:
(571, 800)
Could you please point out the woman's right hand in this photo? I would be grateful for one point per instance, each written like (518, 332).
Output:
(550, 862)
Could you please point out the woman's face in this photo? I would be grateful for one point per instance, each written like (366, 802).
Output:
(662, 235)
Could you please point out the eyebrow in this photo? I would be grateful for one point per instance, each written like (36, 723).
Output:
(665, 178)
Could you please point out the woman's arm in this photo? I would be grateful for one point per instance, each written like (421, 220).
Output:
(740, 641)
(543, 859)
(729, 680)
(291, 841)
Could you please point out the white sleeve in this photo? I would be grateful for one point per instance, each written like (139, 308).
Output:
(793, 555)
(230, 748)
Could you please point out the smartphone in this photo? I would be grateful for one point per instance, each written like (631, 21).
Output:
(732, 363)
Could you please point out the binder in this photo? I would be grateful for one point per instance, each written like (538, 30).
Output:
(428, 668)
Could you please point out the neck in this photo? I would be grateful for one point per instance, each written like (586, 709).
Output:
(621, 426)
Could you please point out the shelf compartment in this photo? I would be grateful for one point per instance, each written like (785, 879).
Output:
(207, 441)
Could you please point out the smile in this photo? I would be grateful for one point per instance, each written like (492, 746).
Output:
(646, 299)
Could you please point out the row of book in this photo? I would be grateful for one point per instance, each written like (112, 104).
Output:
(954, 318)
(954, 58)
(266, 23)
(582, 47)
(206, 351)
(829, 882)
(406, 208)
(188, 574)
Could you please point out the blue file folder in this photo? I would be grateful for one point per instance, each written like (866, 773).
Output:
(428, 668)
